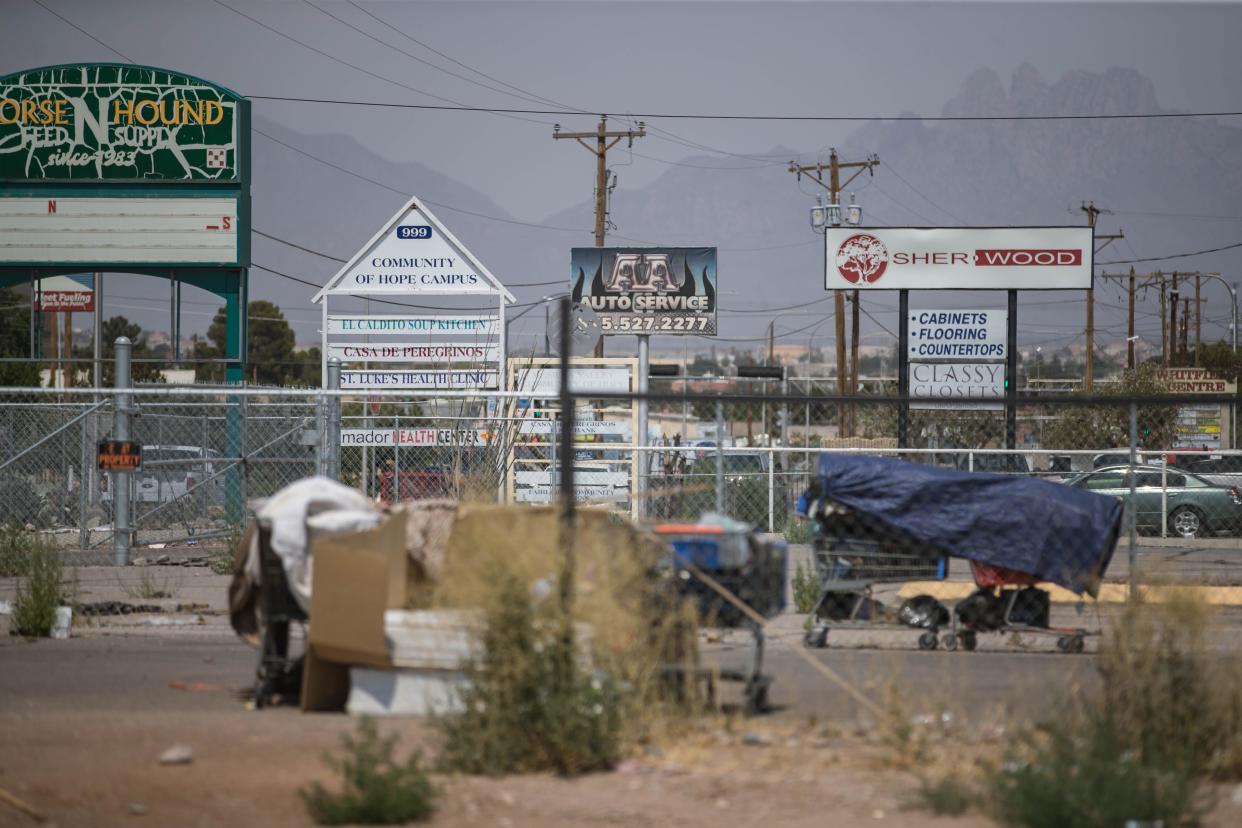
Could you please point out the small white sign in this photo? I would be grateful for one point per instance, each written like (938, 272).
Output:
(582, 494)
(544, 383)
(414, 437)
(958, 381)
(484, 327)
(543, 477)
(426, 354)
(589, 428)
(957, 334)
(419, 379)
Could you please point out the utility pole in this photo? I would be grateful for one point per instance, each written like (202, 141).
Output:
(1173, 329)
(834, 188)
(1092, 212)
(1164, 324)
(605, 140)
(1185, 330)
(1198, 318)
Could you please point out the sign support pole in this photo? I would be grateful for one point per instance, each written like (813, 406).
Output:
(644, 371)
(903, 368)
(1011, 373)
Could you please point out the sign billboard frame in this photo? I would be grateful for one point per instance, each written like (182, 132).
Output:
(648, 276)
(882, 275)
(178, 174)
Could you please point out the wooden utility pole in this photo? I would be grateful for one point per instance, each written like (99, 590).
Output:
(834, 188)
(1185, 354)
(1089, 376)
(1164, 324)
(1173, 329)
(604, 141)
(1198, 318)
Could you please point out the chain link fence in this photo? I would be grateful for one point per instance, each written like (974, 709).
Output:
(741, 447)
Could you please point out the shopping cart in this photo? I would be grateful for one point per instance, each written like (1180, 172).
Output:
(880, 519)
(737, 560)
(1008, 601)
(851, 554)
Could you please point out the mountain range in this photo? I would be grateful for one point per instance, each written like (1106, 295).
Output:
(1171, 184)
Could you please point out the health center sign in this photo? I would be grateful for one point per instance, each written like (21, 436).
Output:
(415, 255)
(958, 258)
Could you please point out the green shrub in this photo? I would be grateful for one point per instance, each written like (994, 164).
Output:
(1167, 714)
(39, 593)
(805, 588)
(1080, 774)
(376, 789)
(531, 706)
(946, 796)
(799, 530)
(15, 549)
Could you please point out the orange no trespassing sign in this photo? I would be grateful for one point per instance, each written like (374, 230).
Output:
(119, 455)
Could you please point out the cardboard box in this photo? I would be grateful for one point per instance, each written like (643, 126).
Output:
(356, 578)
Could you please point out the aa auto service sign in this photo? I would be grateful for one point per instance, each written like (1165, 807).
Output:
(958, 258)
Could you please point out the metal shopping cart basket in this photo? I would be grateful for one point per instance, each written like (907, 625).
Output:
(754, 570)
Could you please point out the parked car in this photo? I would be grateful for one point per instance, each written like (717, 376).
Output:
(1190, 504)
(988, 461)
(1219, 470)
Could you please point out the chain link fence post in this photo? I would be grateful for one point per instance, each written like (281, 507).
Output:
(332, 437)
(1132, 506)
(121, 479)
(720, 493)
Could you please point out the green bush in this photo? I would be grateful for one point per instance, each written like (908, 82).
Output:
(15, 549)
(376, 789)
(946, 796)
(531, 706)
(1167, 715)
(1081, 775)
(799, 530)
(805, 588)
(39, 593)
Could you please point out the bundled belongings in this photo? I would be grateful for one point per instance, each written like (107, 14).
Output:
(885, 519)
(393, 597)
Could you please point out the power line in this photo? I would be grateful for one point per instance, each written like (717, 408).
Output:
(1174, 255)
(403, 193)
(703, 116)
(450, 103)
(919, 193)
(69, 22)
(526, 94)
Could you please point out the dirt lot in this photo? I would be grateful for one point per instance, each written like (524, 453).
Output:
(83, 722)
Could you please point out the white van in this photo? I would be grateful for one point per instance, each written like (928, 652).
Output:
(171, 472)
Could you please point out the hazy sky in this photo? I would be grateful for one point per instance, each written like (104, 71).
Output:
(872, 59)
(759, 57)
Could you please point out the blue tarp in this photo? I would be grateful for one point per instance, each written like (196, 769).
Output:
(1052, 531)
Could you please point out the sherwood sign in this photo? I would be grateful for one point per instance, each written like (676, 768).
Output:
(958, 258)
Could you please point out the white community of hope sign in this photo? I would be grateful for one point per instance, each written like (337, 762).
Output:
(415, 255)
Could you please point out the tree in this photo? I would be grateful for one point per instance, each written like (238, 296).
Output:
(271, 358)
(15, 341)
(139, 372)
(1108, 426)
